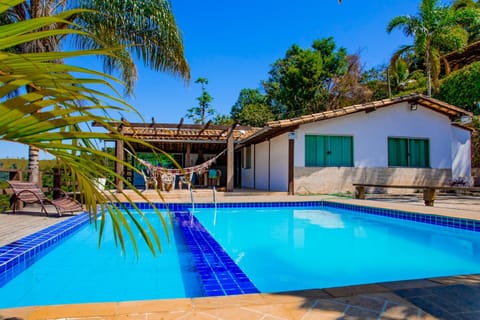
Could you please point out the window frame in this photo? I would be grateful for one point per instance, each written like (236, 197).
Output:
(408, 155)
(327, 153)
(247, 157)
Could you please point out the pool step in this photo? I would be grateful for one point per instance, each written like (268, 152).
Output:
(219, 274)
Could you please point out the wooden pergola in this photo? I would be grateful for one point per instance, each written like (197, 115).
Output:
(182, 138)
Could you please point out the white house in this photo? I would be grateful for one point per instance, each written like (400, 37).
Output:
(413, 140)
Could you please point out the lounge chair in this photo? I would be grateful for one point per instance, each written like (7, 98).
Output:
(30, 193)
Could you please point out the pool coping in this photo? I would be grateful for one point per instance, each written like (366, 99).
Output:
(329, 303)
(18, 255)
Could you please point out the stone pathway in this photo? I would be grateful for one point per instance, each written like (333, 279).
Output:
(450, 298)
(22, 223)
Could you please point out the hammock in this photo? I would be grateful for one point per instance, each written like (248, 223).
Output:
(174, 172)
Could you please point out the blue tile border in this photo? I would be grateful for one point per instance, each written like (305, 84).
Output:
(187, 206)
(219, 274)
(19, 255)
(444, 221)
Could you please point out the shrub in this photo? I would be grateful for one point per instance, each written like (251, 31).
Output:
(462, 88)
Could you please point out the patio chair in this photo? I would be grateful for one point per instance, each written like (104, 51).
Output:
(31, 193)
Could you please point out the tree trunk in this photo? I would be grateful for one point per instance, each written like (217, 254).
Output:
(429, 71)
(33, 167)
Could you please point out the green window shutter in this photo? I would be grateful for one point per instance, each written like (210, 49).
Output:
(322, 151)
(397, 152)
(310, 151)
(328, 151)
(339, 151)
(347, 151)
(419, 153)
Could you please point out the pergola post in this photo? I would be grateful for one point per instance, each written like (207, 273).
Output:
(230, 163)
(119, 154)
(187, 155)
(291, 153)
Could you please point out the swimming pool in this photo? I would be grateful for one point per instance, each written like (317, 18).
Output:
(251, 247)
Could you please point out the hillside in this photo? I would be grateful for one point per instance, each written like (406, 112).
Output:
(10, 163)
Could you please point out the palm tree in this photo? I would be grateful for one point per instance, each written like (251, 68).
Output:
(51, 116)
(138, 28)
(435, 30)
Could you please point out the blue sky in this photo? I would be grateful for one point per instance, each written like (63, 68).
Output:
(233, 44)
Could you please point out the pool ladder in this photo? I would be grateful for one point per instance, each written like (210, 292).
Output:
(214, 190)
(214, 195)
(192, 200)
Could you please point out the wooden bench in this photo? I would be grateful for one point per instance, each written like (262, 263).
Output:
(429, 192)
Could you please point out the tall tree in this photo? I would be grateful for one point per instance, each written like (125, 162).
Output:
(301, 82)
(376, 79)
(204, 110)
(222, 119)
(138, 28)
(434, 29)
(348, 88)
(251, 108)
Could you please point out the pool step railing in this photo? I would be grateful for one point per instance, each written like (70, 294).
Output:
(214, 190)
(192, 200)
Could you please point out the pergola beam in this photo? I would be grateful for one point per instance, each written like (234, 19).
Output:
(179, 126)
(119, 154)
(204, 128)
(230, 157)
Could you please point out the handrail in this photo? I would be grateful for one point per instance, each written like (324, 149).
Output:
(192, 200)
(214, 196)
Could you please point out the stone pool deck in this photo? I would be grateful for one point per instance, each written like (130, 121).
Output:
(438, 298)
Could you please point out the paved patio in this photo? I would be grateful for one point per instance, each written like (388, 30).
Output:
(438, 298)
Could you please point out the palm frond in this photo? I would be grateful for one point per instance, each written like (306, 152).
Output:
(146, 28)
(53, 118)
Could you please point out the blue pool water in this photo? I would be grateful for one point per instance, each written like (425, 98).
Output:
(275, 249)
(77, 271)
(299, 248)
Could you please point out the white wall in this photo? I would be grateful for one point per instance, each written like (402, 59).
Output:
(247, 174)
(371, 130)
(269, 172)
(261, 166)
(279, 163)
(461, 152)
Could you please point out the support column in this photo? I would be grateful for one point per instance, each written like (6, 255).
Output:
(291, 151)
(254, 166)
(269, 161)
(119, 154)
(230, 163)
(187, 156)
(57, 183)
